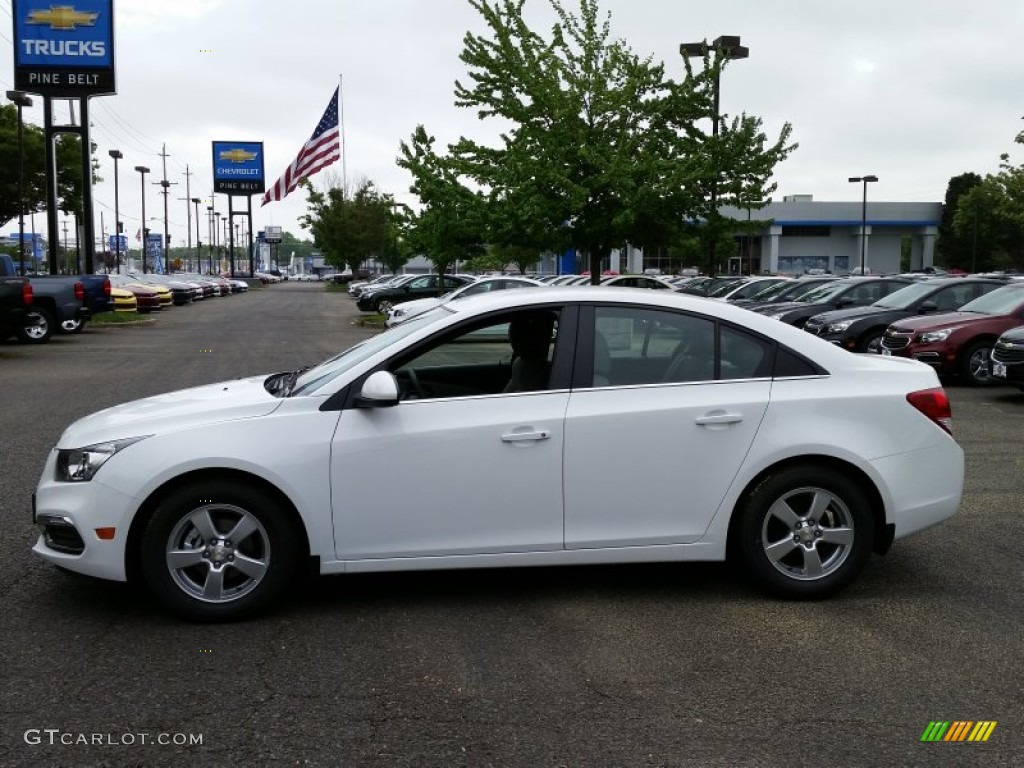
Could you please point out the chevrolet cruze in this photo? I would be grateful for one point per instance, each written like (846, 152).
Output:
(507, 430)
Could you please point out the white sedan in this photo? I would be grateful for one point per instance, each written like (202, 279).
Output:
(399, 313)
(542, 426)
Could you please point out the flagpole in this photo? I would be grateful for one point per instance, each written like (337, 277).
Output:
(344, 138)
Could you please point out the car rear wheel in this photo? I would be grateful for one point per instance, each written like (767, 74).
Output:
(217, 551)
(73, 326)
(974, 364)
(37, 327)
(805, 532)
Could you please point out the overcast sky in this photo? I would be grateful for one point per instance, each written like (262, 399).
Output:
(914, 91)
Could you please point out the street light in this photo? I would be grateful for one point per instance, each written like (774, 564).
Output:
(727, 47)
(22, 100)
(143, 170)
(210, 241)
(116, 154)
(219, 241)
(863, 217)
(199, 243)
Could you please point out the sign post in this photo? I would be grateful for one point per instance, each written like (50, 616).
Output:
(238, 171)
(65, 51)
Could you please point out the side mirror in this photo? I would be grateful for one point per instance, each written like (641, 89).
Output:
(927, 306)
(380, 390)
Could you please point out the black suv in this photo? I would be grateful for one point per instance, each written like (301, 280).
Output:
(422, 287)
(839, 294)
(860, 329)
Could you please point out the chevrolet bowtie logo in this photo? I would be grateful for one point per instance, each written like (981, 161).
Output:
(237, 155)
(63, 17)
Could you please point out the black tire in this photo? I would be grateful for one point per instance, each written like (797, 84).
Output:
(73, 326)
(973, 364)
(37, 327)
(805, 532)
(196, 521)
(871, 341)
(384, 306)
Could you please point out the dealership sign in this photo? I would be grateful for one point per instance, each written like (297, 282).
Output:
(64, 49)
(238, 167)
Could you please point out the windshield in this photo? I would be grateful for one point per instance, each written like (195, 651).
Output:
(724, 288)
(1002, 301)
(755, 288)
(329, 369)
(905, 297)
(822, 292)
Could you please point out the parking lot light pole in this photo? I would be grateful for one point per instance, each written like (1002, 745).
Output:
(116, 154)
(863, 217)
(199, 243)
(143, 170)
(727, 47)
(22, 100)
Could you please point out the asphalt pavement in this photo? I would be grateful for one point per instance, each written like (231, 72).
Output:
(639, 665)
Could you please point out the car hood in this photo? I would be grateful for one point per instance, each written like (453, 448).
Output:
(852, 313)
(946, 320)
(209, 404)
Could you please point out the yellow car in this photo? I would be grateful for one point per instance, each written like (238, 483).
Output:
(162, 291)
(124, 301)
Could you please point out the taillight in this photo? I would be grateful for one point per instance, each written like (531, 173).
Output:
(26, 293)
(106, 287)
(934, 404)
(79, 291)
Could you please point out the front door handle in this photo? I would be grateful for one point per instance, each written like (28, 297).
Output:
(712, 419)
(519, 437)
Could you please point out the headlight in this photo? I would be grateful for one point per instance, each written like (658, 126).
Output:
(778, 315)
(839, 327)
(930, 337)
(75, 465)
(397, 312)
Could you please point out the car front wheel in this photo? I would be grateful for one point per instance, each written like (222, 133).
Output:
(73, 326)
(805, 532)
(384, 306)
(218, 551)
(974, 364)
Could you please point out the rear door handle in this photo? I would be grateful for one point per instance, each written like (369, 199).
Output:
(519, 437)
(712, 419)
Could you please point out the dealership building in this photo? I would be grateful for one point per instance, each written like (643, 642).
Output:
(800, 234)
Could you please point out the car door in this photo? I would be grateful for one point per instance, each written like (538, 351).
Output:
(658, 425)
(458, 467)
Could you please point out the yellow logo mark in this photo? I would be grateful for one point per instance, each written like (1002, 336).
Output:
(63, 17)
(237, 155)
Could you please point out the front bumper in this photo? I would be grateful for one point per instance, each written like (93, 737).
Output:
(70, 514)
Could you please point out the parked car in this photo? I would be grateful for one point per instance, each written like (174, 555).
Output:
(124, 300)
(356, 287)
(419, 287)
(959, 343)
(795, 455)
(1007, 359)
(785, 292)
(702, 286)
(747, 288)
(860, 329)
(15, 302)
(847, 292)
(147, 299)
(637, 281)
(402, 312)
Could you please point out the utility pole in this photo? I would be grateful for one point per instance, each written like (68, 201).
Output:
(188, 211)
(167, 237)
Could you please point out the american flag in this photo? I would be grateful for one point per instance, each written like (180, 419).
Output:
(322, 149)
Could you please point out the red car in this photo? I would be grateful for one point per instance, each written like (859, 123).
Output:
(959, 343)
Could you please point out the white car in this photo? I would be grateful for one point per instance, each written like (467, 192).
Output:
(543, 426)
(399, 313)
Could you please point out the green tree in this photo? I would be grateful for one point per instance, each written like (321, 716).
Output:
(69, 164)
(350, 227)
(954, 250)
(449, 226)
(995, 210)
(603, 150)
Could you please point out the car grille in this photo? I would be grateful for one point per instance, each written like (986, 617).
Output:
(1003, 352)
(894, 340)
